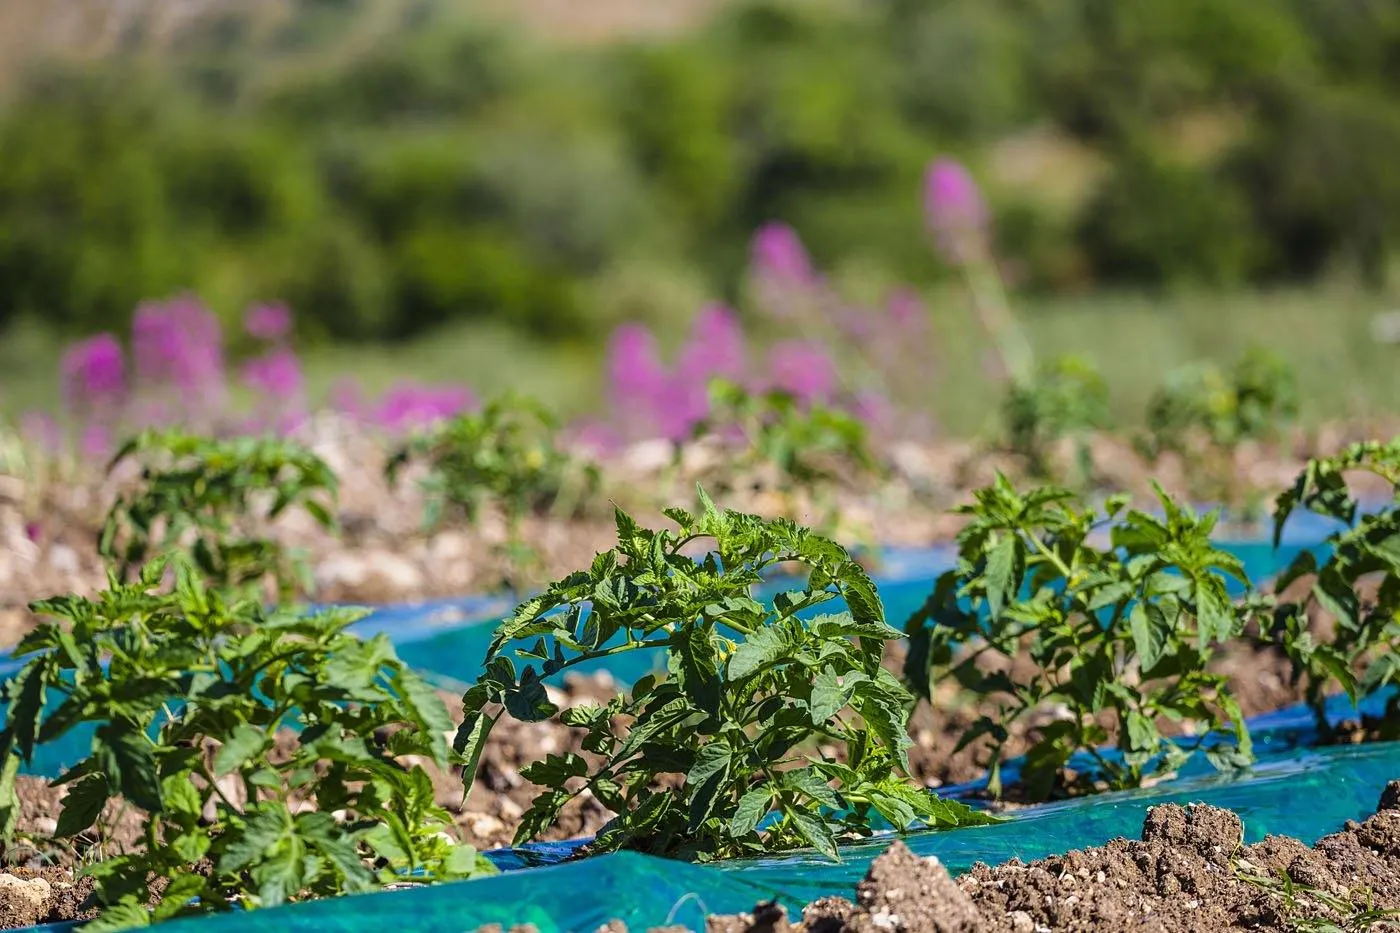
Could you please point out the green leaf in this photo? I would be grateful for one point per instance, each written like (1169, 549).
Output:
(707, 780)
(1151, 635)
(1001, 573)
(815, 830)
(429, 712)
(831, 693)
(9, 799)
(753, 807)
(808, 782)
(82, 805)
(762, 648)
(116, 917)
(1142, 734)
(554, 770)
(125, 756)
(246, 742)
(262, 829)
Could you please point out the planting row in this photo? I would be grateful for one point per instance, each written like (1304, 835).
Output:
(271, 756)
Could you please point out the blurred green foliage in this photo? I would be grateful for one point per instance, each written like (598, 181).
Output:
(385, 180)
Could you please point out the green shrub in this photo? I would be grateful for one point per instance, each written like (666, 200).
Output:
(209, 496)
(1068, 399)
(749, 693)
(1357, 585)
(190, 689)
(1119, 635)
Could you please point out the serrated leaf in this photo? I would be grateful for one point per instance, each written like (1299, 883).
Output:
(82, 805)
(245, 743)
(707, 780)
(261, 830)
(815, 830)
(753, 807)
(763, 647)
(1151, 635)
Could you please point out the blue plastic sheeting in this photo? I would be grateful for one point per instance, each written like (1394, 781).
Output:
(1305, 794)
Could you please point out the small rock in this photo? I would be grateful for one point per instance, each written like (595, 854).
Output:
(1021, 922)
(24, 901)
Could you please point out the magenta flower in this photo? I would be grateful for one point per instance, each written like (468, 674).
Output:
(777, 253)
(94, 374)
(409, 406)
(276, 373)
(268, 322)
(955, 211)
(803, 368)
(635, 370)
(716, 346)
(179, 344)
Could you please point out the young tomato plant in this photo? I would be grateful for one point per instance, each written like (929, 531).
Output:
(1067, 399)
(504, 456)
(1205, 414)
(1118, 636)
(805, 443)
(1357, 585)
(753, 694)
(216, 491)
(245, 739)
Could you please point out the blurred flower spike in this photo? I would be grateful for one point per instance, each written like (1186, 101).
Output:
(955, 212)
(268, 322)
(94, 374)
(778, 254)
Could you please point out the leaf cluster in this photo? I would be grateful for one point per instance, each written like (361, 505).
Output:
(1067, 398)
(730, 751)
(503, 455)
(194, 695)
(1201, 404)
(215, 492)
(1357, 585)
(1112, 616)
(806, 442)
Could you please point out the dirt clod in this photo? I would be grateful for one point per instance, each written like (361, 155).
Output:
(1189, 873)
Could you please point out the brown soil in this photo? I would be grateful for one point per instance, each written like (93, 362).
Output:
(1188, 874)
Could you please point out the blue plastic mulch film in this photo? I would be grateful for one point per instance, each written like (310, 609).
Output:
(1304, 794)
(449, 638)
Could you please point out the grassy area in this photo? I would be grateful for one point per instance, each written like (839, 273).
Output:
(1325, 333)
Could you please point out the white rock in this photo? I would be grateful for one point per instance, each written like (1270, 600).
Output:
(34, 891)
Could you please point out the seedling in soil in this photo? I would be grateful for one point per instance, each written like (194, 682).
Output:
(209, 496)
(1357, 586)
(502, 456)
(1205, 414)
(771, 728)
(1313, 910)
(252, 743)
(805, 443)
(1118, 637)
(1067, 399)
